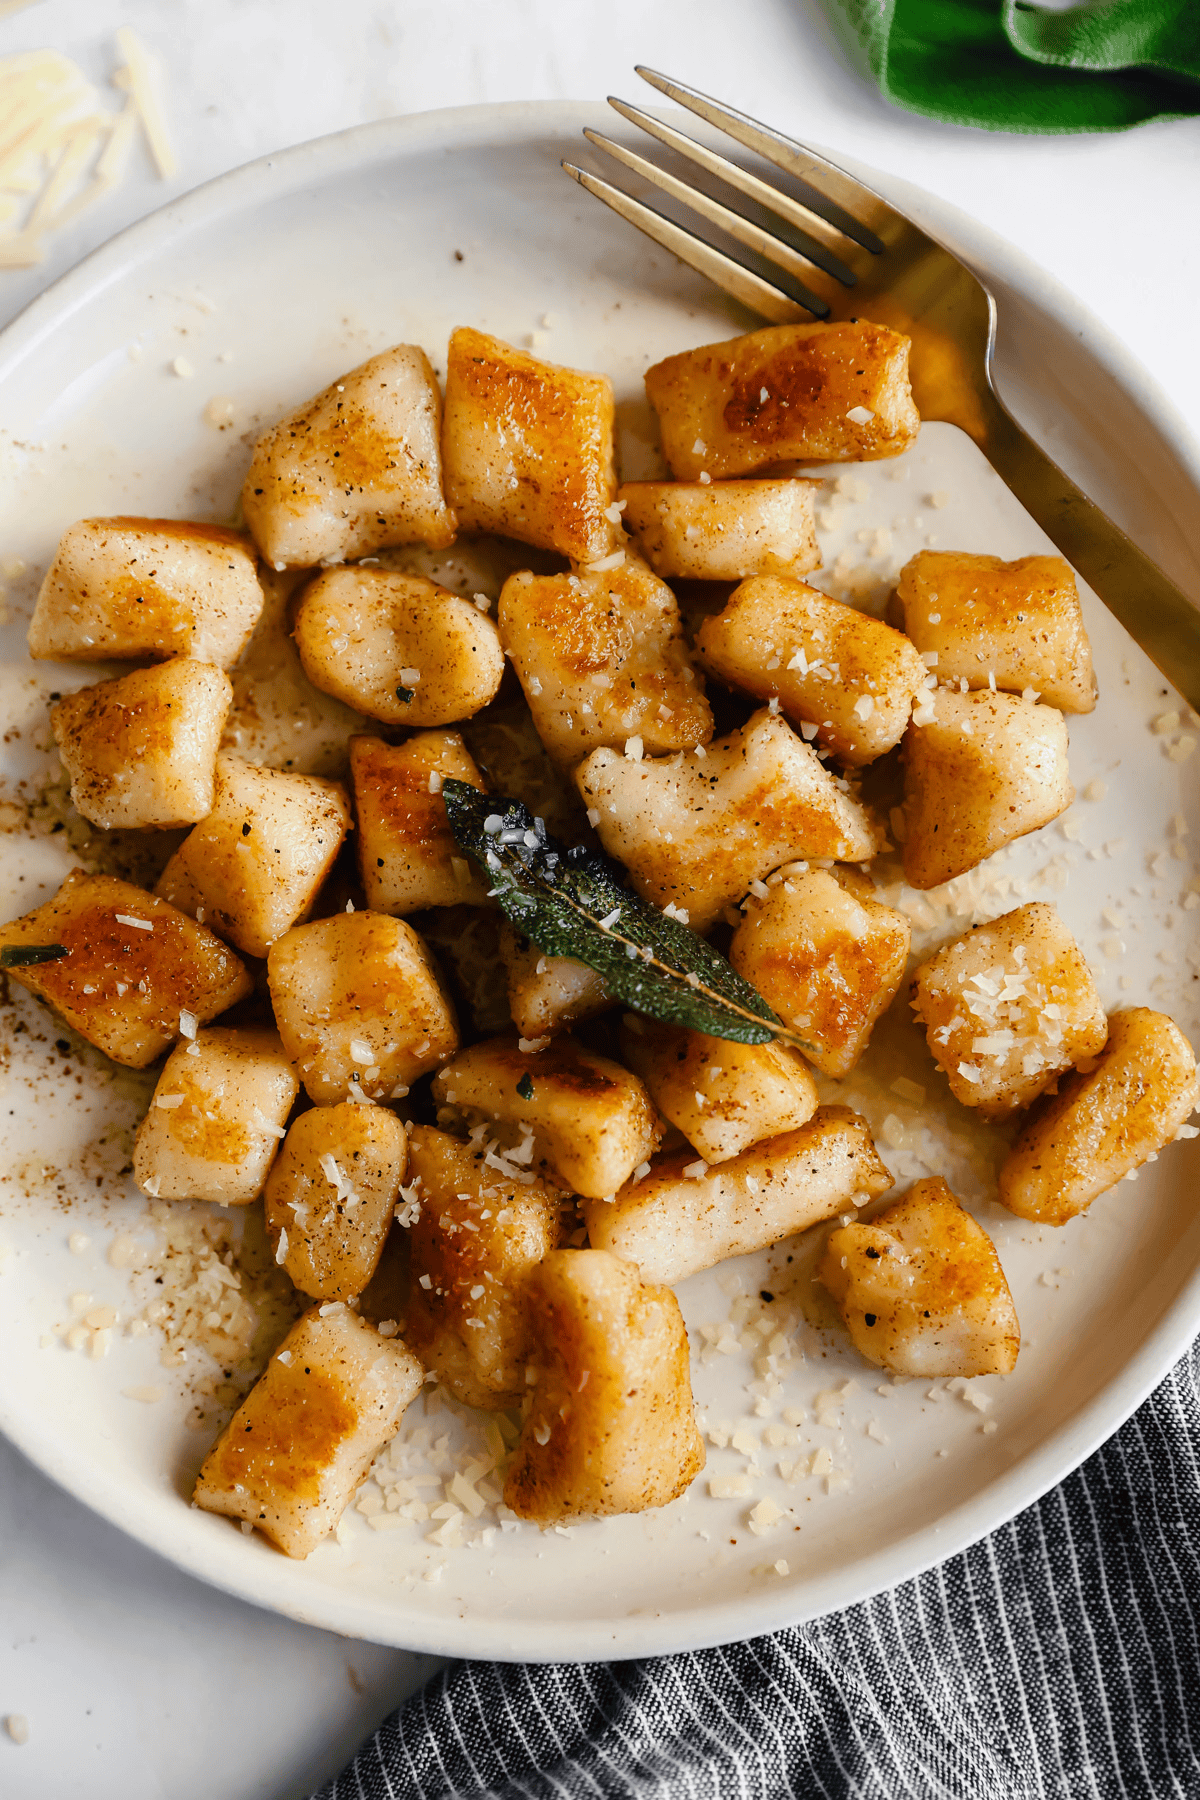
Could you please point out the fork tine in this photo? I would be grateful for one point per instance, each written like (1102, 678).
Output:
(743, 230)
(832, 185)
(760, 296)
(802, 217)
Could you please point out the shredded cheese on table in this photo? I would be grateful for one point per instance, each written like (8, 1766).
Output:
(61, 149)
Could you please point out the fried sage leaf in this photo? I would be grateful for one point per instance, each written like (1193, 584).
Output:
(572, 902)
(23, 956)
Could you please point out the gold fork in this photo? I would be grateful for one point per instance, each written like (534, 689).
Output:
(835, 250)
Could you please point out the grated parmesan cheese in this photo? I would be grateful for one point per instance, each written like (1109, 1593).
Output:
(62, 148)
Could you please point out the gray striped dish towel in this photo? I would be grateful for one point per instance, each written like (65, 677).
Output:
(1059, 1659)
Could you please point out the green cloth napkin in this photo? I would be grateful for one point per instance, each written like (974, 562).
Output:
(1101, 66)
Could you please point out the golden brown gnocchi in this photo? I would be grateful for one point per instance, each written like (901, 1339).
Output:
(254, 866)
(407, 856)
(353, 470)
(804, 393)
(611, 1426)
(683, 1216)
(479, 1233)
(587, 1121)
(454, 1249)
(147, 588)
(921, 1290)
(528, 448)
(602, 659)
(722, 1095)
(723, 530)
(847, 680)
(306, 1434)
(397, 647)
(360, 1006)
(695, 831)
(980, 769)
(1008, 1008)
(216, 1119)
(1017, 625)
(827, 960)
(133, 972)
(1102, 1124)
(141, 751)
(331, 1195)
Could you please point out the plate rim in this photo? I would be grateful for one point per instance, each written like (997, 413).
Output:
(756, 1611)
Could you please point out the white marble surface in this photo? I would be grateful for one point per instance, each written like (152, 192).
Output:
(137, 1682)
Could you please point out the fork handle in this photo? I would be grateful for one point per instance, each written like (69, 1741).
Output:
(1156, 613)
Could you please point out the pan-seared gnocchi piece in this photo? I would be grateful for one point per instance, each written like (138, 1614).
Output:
(548, 993)
(848, 680)
(528, 448)
(723, 530)
(723, 1096)
(828, 961)
(126, 971)
(1101, 1126)
(305, 1436)
(1017, 624)
(331, 1195)
(694, 831)
(478, 1235)
(147, 588)
(788, 393)
(586, 1122)
(397, 647)
(255, 864)
(141, 751)
(360, 1006)
(353, 470)
(921, 1289)
(611, 1427)
(980, 769)
(407, 855)
(1008, 1008)
(217, 1118)
(602, 659)
(684, 1216)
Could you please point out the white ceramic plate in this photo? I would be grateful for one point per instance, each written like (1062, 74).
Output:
(267, 283)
